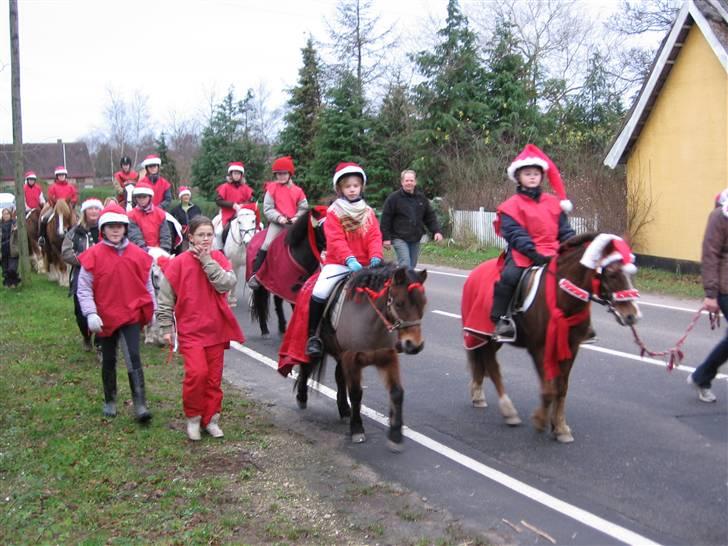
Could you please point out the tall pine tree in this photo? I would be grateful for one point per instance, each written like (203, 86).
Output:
(169, 168)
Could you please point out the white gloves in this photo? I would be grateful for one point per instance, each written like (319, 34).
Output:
(94, 323)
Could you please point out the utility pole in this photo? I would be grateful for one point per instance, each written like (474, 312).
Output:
(18, 144)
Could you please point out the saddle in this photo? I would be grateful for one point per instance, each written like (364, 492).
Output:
(335, 303)
(526, 290)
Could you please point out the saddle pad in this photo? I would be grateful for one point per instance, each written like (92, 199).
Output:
(477, 302)
(335, 303)
(280, 273)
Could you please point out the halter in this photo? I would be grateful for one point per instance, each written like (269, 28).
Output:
(398, 323)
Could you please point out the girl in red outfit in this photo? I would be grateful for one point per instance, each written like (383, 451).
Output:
(162, 188)
(148, 226)
(353, 238)
(34, 198)
(232, 195)
(193, 290)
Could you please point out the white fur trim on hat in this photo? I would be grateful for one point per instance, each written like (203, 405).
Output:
(151, 161)
(526, 162)
(113, 218)
(238, 168)
(91, 203)
(142, 191)
(60, 170)
(349, 169)
(184, 192)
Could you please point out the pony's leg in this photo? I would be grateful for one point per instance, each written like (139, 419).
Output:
(342, 402)
(477, 374)
(259, 309)
(304, 372)
(280, 314)
(540, 416)
(387, 361)
(561, 430)
(492, 370)
(352, 364)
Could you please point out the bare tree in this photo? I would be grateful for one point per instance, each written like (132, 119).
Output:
(636, 18)
(184, 142)
(118, 123)
(265, 122)
(139, 121)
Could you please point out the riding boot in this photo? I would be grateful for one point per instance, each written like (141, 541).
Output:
(108, 378)
(259, 258)
(138, 395)
(504, 328)
(314, 345)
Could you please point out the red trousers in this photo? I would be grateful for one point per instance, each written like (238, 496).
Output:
(201, 388)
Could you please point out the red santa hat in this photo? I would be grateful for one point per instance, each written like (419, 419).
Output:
(30, 174)
(113, 214)
(533, 156)
(91, 202)
(343, 169)
(594, 256)
(284, 165)
(60, 170)
(143, 188)
(236, 166)
(151, 160)
(184, 190)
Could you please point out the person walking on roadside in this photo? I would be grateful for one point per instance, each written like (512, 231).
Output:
(116, 296)
(714, 272)
(9, 249)
(192, 293)
(405, 215)
(77, 240)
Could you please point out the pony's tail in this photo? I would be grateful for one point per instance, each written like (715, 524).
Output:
(260, 309)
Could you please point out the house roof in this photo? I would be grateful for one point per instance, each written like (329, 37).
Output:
(711, 17)
(43, 158)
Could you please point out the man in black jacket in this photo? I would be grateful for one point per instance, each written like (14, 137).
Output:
(405, 214)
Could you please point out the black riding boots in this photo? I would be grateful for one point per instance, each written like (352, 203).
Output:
(504, 328)
(314, 345)
(138, 395)
(108, 378)
(259, 258)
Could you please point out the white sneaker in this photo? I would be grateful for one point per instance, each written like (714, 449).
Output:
(193, 428)
(704, 395)
(213, 428)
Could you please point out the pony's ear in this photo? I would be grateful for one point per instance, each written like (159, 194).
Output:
(422, 276)
(400, 275)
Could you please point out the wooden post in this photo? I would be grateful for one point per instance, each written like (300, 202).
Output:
(18, 144)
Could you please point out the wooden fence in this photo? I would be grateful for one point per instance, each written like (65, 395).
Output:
(478, 225)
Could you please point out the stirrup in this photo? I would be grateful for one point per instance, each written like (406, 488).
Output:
(314, 347)
(505, 336)
(253, 282)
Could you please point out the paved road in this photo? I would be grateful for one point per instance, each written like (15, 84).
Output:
(650, 462)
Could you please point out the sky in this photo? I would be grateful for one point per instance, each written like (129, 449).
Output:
(179, 54)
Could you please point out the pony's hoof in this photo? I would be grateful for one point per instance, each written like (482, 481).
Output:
(302, 404)
(395, 447)
(564, 438)
(265, 336)
(480, 403)
(538, 424)
(358, 438)
(513, 420)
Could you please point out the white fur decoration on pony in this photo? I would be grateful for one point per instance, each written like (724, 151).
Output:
(593, 259)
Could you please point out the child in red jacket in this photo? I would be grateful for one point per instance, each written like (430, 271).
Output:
(193, 291)
(353, 238)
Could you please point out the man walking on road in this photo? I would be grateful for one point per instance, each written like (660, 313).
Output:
(405, 214)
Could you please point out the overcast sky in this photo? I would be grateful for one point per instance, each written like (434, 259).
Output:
(175, 52)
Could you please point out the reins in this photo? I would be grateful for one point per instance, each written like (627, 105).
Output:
(373, 295)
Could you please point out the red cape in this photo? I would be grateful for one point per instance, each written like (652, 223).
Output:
(293, 348)
(280, 273)
(477, 302)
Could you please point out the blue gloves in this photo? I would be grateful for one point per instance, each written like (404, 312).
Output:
(375, 262)
(353, 264)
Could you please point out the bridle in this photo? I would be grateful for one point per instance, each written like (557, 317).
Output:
(242, 232)
(397, 323)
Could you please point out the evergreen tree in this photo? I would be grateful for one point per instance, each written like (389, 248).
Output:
(301, 120)
(169, 169)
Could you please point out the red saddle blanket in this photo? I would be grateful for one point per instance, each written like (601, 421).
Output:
(280, 273)
(476, 303)
(293, 348)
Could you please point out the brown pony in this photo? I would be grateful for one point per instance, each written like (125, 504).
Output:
(381, 316)
(589, 267)
(61, 221)
(32, 223)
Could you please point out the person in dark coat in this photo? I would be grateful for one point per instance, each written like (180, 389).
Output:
(9, 249)
(405, 215)
(184, 212)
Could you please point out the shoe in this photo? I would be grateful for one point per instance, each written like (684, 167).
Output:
(138, 396)
(213, 428)
(253, 283)
(87, 345)
(193, 428)
(704, 394)
(108, 378)
(591, 337)
(110, 409)
(314, 347)
(505, 330)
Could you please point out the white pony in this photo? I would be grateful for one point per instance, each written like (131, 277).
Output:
(242, 228)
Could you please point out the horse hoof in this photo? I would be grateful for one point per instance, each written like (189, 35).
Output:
(513, 421)
(395, 447)
(358, 438)
(480, 404)
(302, 404)
(265, 336)
(564, 438)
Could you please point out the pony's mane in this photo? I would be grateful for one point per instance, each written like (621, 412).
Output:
(62, 208)
(299, 230)
(375, 278)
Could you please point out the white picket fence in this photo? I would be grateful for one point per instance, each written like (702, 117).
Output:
(467, 224)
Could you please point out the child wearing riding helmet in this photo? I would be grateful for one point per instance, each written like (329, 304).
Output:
(123, 177)
(162, 188)
(147, 223)
(193, 292)
(533, 223)
(283, 203)
(59, 189)
(232, 195)
(77, 240)
(34, 198)
(116, 296)
(353, 238)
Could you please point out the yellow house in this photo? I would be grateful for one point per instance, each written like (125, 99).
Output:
(675, 139)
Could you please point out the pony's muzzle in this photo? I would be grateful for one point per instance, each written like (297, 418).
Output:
(409, 347)
(627, 315)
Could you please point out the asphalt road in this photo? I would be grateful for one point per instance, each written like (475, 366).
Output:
(649, 461)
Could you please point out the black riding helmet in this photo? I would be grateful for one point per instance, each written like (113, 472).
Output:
(125, 160)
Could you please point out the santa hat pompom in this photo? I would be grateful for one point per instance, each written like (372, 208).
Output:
(533, 156)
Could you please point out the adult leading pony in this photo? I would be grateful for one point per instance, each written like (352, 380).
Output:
(380, 317)
(589, 267)
(300, 248)
(59, 223)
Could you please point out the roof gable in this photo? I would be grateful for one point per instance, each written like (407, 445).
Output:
(711, 17)
(43, 158)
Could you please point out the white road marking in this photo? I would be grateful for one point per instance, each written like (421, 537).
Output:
(646, 360)
(582, 516)
(640, 302)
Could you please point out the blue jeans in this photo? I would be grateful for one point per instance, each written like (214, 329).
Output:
(706, 372)
(407, 253)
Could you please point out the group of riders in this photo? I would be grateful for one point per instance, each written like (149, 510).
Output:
(113, 242)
